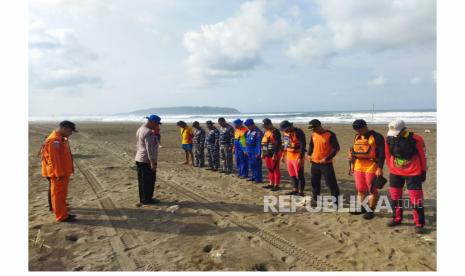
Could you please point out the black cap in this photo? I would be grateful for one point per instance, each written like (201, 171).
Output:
(359, 124)
(285, 125)
(195, 124)
(266, 121)
(209, 123)
(314, 123)
(181, 123)
(70, 125)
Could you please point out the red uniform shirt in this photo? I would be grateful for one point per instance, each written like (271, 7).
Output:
(414, 166)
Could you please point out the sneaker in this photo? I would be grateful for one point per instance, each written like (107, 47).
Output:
(250, 180)
(292, 193)
(369, 215)
(152, 201)
(69, 219)
(420, 230)
(301, 194)
(209, 169)
(363, 211)
(275, 188)
(267, 186)
(313, 203)
(393, 223)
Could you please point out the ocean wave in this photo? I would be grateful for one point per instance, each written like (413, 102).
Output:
(296, 117)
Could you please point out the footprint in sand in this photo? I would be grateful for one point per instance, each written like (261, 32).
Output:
(391, 254)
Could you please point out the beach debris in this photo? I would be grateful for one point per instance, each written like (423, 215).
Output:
(39, 240)
(38, 237)
(71, 237)
(207, 248)
(428, 239)
(427, 130)
(173, 208)
(217, 255)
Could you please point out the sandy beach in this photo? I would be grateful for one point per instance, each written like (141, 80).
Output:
(208, 221)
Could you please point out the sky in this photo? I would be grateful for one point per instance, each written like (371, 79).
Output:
(104, 57)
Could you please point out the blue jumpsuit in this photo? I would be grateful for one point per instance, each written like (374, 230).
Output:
(254, 152)
(242, 164)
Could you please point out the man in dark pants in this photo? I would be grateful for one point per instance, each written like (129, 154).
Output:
(146, 159)
(50, 194)
(322, 148)
(226, 140)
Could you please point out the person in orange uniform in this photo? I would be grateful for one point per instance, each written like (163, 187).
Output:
(186, 138)
(294, 155)
(271, 153)
(367, 159)
(322, 148)
(57, 166)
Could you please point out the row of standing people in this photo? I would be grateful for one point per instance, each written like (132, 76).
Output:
(403, 149)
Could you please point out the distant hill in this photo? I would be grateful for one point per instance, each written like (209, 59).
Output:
(181, 110)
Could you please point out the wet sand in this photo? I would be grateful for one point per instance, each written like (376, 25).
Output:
(206, 220)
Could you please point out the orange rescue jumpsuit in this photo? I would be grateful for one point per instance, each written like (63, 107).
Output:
(57, 164)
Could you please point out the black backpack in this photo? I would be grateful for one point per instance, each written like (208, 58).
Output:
(403, 147)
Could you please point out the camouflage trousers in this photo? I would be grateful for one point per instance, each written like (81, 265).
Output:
(213, 158)
(199, 156)
(226, 158)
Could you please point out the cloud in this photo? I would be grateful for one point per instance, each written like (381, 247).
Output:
(314, 47)
(57, 60)
(232, 47)
(416, 80)
(378, 81)
(350, 26)
(381, 24)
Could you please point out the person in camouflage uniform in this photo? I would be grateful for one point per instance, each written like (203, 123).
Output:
(226, 145)
(213, 146)
(199, 145)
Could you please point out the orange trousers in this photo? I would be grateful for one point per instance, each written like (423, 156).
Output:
(59, 192)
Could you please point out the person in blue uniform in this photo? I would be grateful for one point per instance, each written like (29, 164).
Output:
(254, 151)
(240, 149)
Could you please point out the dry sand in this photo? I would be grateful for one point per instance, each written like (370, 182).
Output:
(207, 220)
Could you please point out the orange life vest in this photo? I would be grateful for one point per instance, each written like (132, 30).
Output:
(363, 148)
(321, 146)
(290, 142)
(269, 147)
